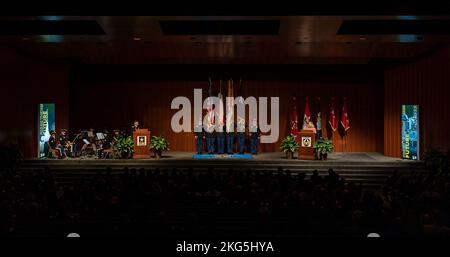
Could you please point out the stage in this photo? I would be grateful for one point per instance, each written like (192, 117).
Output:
(369, 168)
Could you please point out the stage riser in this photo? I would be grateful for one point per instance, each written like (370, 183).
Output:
(369, 178)
(372, 174)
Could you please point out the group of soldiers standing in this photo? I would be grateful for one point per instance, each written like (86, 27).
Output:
(217, 137)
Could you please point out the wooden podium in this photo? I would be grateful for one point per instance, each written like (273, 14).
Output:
(141, 139)
(306, 139)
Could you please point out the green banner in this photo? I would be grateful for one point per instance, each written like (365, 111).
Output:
(46, 124)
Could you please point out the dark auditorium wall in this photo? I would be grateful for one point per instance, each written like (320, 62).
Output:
(425, 82)
(24, 83)
(113, 96)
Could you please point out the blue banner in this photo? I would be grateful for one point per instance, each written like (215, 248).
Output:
(410, 132)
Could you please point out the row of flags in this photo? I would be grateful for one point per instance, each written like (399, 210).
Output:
(228, 120)
(308, 124)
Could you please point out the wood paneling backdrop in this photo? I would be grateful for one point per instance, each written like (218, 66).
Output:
(24, 83)
(427, 83)
(114, 103)
(112, 96)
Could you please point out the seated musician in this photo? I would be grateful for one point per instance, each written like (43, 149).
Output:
(74, 143)
(62, 143)
(112, 139)
(103, 144)
(53, 143)
(89, 140)
(116, 134)
(107, 139)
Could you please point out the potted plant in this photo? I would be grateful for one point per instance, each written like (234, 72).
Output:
(125, 147)
(289, 146)
(323, 147)
(158, 145)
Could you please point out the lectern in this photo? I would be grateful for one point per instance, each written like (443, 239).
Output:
(141, 139)
(306, 139)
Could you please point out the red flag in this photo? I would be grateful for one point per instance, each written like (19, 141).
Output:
(344, 116)
(220, 107)
(230, 108)
(307, 116)
(293, 122)
(211, 120)
(332, 116)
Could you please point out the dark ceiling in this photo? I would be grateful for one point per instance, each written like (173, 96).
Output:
(225, 39)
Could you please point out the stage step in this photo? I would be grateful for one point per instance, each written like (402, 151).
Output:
(371, 174)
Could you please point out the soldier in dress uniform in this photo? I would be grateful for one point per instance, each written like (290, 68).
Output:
(241, 135)
(199, 132)
(230, 138)
(52, 142)
(255, 135)
(210, 139)
(220, 133)
(63, 140)
(210, 133)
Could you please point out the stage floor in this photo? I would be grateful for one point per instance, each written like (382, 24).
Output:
(271, 156)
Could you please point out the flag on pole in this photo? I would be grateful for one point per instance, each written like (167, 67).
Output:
(293, 122)
(241, 91)
(241, 119)
(209, 106)
(332, 116)
(220, 90)
(345, 121)
(307, 116)
(221, 109)
(230, 107)
(319, 119)
(210, 87)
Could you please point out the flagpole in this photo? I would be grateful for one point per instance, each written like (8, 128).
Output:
(345, 141)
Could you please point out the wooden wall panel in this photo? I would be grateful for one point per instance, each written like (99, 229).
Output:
(425, 82)
(116, 103)
(24, 83)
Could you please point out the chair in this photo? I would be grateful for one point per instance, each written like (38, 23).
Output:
(108, 153)
(52, 153)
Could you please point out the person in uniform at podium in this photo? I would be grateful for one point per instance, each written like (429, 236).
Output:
(89, 139)
(134, 127)
(255, 135)
(199, 133)
(309, 125)
(241, 135)
(221, 138)
(230, 137)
